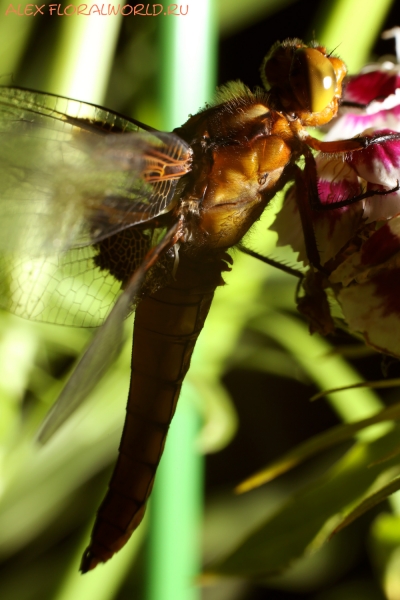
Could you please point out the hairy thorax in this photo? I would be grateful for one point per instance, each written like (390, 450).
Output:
(241, 149)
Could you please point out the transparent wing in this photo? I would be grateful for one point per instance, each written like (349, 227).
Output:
(67, 181)
(75, 288)
(105, 345)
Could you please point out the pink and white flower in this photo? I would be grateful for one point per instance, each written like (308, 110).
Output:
(358, 244)
(371, 99)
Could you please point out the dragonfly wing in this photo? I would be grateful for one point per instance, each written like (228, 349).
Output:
(67, 180)
(73, 175)
(137, 175)
(105, 345)
(66, 289)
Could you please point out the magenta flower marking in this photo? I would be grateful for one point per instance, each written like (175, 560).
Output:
(374, 85)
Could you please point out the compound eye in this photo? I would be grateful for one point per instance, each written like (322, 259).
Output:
(312, 79)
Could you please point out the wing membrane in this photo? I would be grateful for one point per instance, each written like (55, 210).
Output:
(71, 175)
(66, 289)
(105, 345)
(64, 183)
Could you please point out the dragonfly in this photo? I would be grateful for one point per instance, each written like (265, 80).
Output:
(97, 205)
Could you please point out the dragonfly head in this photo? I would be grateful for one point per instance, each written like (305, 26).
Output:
(303, 81)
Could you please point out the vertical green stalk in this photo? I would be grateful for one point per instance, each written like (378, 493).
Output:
(350, 27)
(176, 512)
(83, 55)
(14, 37)
(188, 79)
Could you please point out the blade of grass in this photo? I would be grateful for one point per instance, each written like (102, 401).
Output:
(325, 369)
(83, 55)
(337, 22)
(14, 37)
(189, 65)
(104, 582)
(313, 446)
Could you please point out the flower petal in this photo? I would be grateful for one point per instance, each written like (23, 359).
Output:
(373, 310)
(378, 163)
(370, 85)
(377, 90)
(287, 225)
(367, 287)
(334, 228)
(381, 208)
(378, 253)
(382, 245)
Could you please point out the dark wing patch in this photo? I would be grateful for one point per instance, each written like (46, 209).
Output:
(122, 254)
(77, 288)
(105, 344)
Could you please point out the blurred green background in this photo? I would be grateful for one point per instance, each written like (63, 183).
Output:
(253, 372)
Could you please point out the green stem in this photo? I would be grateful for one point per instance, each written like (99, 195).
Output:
(188, 78)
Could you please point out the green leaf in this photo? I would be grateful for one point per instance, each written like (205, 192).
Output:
(309, 518)
(384, 488)
(384, 550)
(317, 444)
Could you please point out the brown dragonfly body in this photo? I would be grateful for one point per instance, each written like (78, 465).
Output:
(206, 184)
(221, 199)
(243, 153)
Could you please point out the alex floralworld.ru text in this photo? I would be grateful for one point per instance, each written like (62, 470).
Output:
(145, 10)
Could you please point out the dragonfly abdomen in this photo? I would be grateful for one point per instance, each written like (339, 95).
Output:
(167, 325)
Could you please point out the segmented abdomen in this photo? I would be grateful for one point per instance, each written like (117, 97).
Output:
(167, 325)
